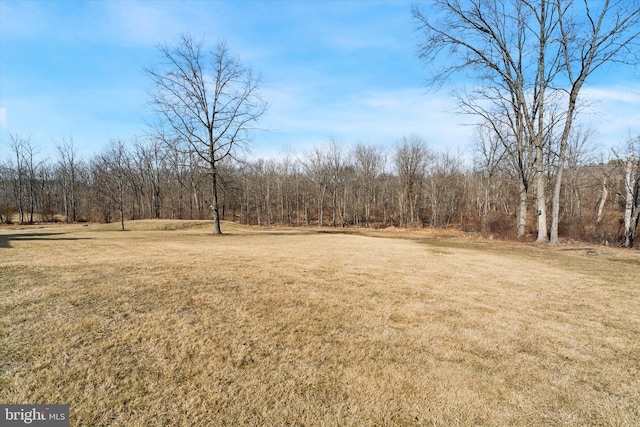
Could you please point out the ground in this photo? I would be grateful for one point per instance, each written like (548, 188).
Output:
(167, 324)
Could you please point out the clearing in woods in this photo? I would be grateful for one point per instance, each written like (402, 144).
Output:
(167, 324)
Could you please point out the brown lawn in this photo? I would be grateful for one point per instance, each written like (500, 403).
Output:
(167, 324)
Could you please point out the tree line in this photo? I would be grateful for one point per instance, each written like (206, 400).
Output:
(532, 171)
(410, 185)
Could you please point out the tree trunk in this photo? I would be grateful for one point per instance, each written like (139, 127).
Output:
(522, 211)
(555, 204)
(485, 209)
(121, 204)
(635, 218)
(73, 194)
(631, 211)
(603, 201)
(65, 197)
(214, 202)
(540, 195)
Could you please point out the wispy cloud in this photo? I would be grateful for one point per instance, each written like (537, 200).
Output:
(613, 111)
(382, 116)
(344, 69)
(379, 117)
(625, 94)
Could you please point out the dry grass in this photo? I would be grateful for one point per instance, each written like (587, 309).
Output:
(167, 324)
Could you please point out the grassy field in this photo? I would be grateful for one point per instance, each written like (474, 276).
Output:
(167, 324)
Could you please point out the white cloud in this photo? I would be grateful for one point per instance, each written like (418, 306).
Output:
(626, 94)
(614, 112)
(302, 116)
(381, 117)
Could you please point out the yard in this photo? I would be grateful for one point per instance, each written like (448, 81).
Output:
(167, 324)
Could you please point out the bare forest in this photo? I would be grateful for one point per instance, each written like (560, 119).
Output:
(334, 185)
(534, 171)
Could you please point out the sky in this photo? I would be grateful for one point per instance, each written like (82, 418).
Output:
(333, 70)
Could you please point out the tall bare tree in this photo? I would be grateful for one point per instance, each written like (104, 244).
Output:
(590, 38)
(335, 164)
(631, 173)
(5, 190)
(502, 44)
(411, 160)
(25, 174)
(368, 163)
(490, 153)
(149, 158)
(209, 103)
(69, 170)
(110, 176)
(526, 54)
(316, 166)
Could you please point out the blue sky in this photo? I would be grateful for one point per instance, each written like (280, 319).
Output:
(332, 69)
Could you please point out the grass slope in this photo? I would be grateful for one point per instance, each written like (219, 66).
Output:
(167, 324)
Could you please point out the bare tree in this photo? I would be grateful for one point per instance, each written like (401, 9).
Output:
(316, 166)
(526, 53)
(25, 176)
(590, 39)
(411, 161)
(209, 103)
(444, 189)
(284, 184)
(5, 191)
(632, 206)
(579, 153)
(69, 170)
(603, 173)
(149, 158)
(18, 175)
(631, 167)
(368, 163)
(335, 164)
(45, 190)
(502, 43)
(109, 175)
(490, 154)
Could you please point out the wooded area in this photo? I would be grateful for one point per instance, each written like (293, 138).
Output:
(332, 185)
(528, 61)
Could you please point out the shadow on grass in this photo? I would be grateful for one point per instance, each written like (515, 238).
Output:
(6, 239)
